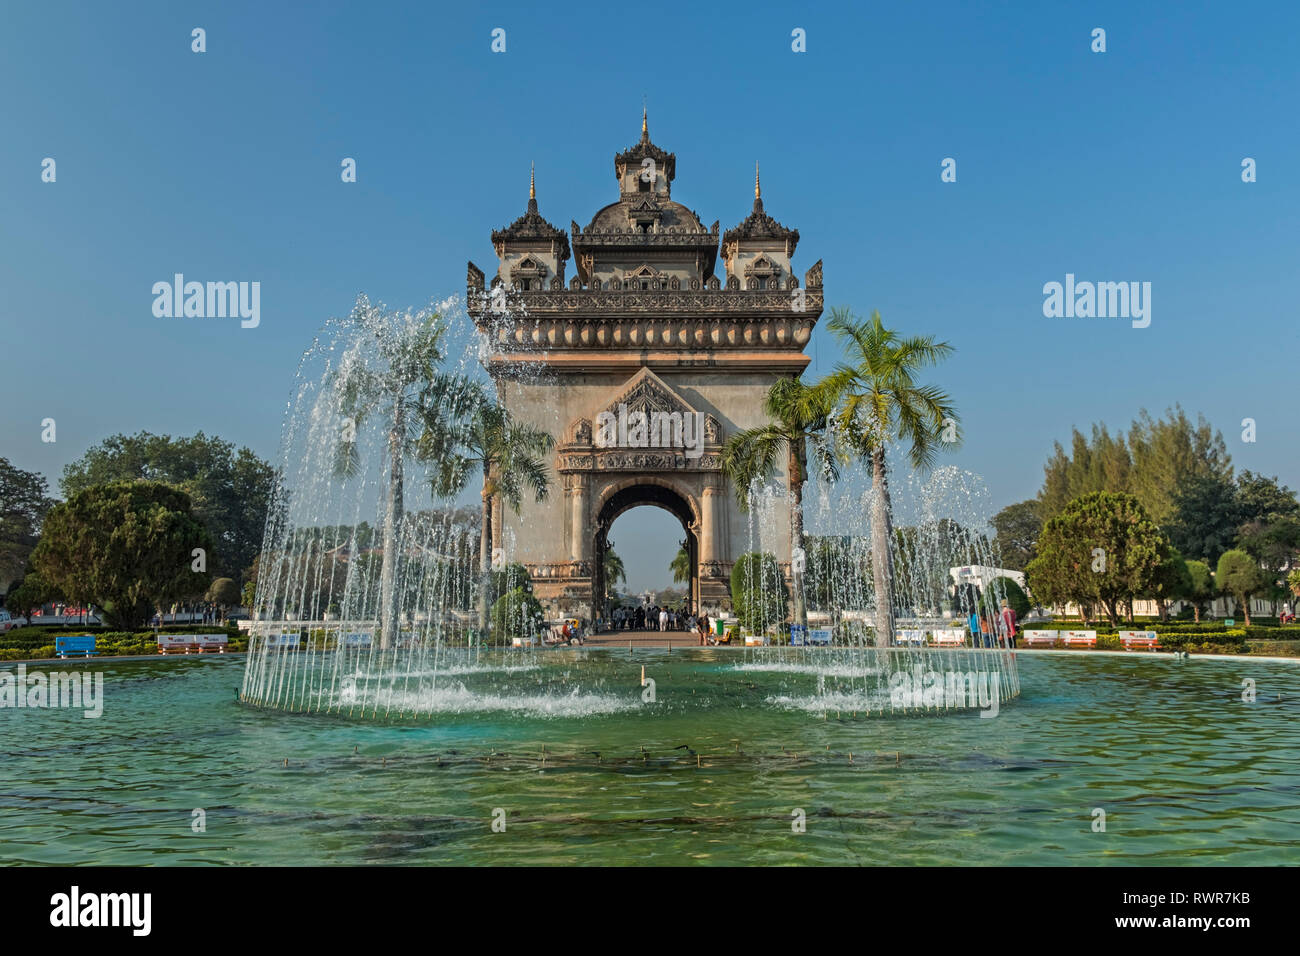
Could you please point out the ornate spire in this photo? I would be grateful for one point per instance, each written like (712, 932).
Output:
(759, 225)
(531, 225)
(645, 126)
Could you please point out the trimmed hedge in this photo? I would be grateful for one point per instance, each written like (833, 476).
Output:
(25, 643)
(1272, 632)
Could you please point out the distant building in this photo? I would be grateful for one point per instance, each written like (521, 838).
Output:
(983, 575)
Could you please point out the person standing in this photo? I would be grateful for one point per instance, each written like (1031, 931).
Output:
(663, 619)
(1009, 623)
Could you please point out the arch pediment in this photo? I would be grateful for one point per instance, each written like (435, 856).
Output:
(644, 426)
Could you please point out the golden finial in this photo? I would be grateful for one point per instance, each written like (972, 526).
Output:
(758, 192)
(532, 181)
(645, 125)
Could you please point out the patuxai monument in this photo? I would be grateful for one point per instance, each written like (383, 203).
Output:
(640, 365)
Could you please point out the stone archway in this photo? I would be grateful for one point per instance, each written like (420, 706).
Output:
(634, 493)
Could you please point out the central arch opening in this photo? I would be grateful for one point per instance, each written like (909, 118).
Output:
(636, 496)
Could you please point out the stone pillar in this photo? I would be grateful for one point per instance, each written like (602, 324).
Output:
(709, 521)
(579, 533)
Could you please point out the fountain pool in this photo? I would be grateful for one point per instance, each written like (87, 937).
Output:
(563, 749)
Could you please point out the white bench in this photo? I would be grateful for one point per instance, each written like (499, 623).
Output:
(910, 637)
(948, 637)
(1139, 639)
(1041, 638)
(191, 643)
(1079, 638)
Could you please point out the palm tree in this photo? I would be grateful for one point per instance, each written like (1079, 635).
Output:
(507, 453)
(398, 377)
(800, 414)
(681, 566)
(877, 401)
(614, 572)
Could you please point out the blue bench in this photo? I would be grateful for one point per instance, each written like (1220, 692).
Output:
(83, 644)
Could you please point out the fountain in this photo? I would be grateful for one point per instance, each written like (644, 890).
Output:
(372, 593)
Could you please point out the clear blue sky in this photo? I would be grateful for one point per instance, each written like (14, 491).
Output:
(225, 166)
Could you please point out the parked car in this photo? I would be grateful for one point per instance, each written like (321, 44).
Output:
(8, 622)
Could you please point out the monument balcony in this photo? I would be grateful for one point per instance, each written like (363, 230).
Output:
(636, 318)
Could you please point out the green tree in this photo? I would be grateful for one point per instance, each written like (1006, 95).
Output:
(1239, 576)
(1206, 514)
(1153, 462)
(224, 593)
(615, 572)
(879, 401)
(23, 506)
(1172, 581)
(1005, 589)
(1200, 588)
(839, 573)
(1101, 550)
(758, 591)
(798, 415)
(1101, 463)
(508, 454)
(1274, 544)
(516, 613)
(1167, 452)
(32, 592)
(126, 547)
(681, 566)
(1264, 500)
(1017, 529)
(230, 488)
(401, 382)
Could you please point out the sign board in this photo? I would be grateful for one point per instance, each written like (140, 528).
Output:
(911, 637)
(1229, 621)
(820, 637)
(210, 640)
(74, 644)
(1139, 635)
(176, 640)
(356, 639)
(948, 636)
(798, 635)
(278, 639)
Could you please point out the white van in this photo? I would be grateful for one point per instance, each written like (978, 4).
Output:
(9, 622)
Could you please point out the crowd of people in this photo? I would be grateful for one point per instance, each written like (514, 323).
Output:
(653, 618)
(988, 630)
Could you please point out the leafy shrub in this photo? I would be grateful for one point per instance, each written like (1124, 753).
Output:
(1005, 588)
(758, 591)
(516, 614)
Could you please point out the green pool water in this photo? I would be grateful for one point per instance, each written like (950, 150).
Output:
(561, 747)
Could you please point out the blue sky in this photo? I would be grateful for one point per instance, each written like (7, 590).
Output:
(1122, 166)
